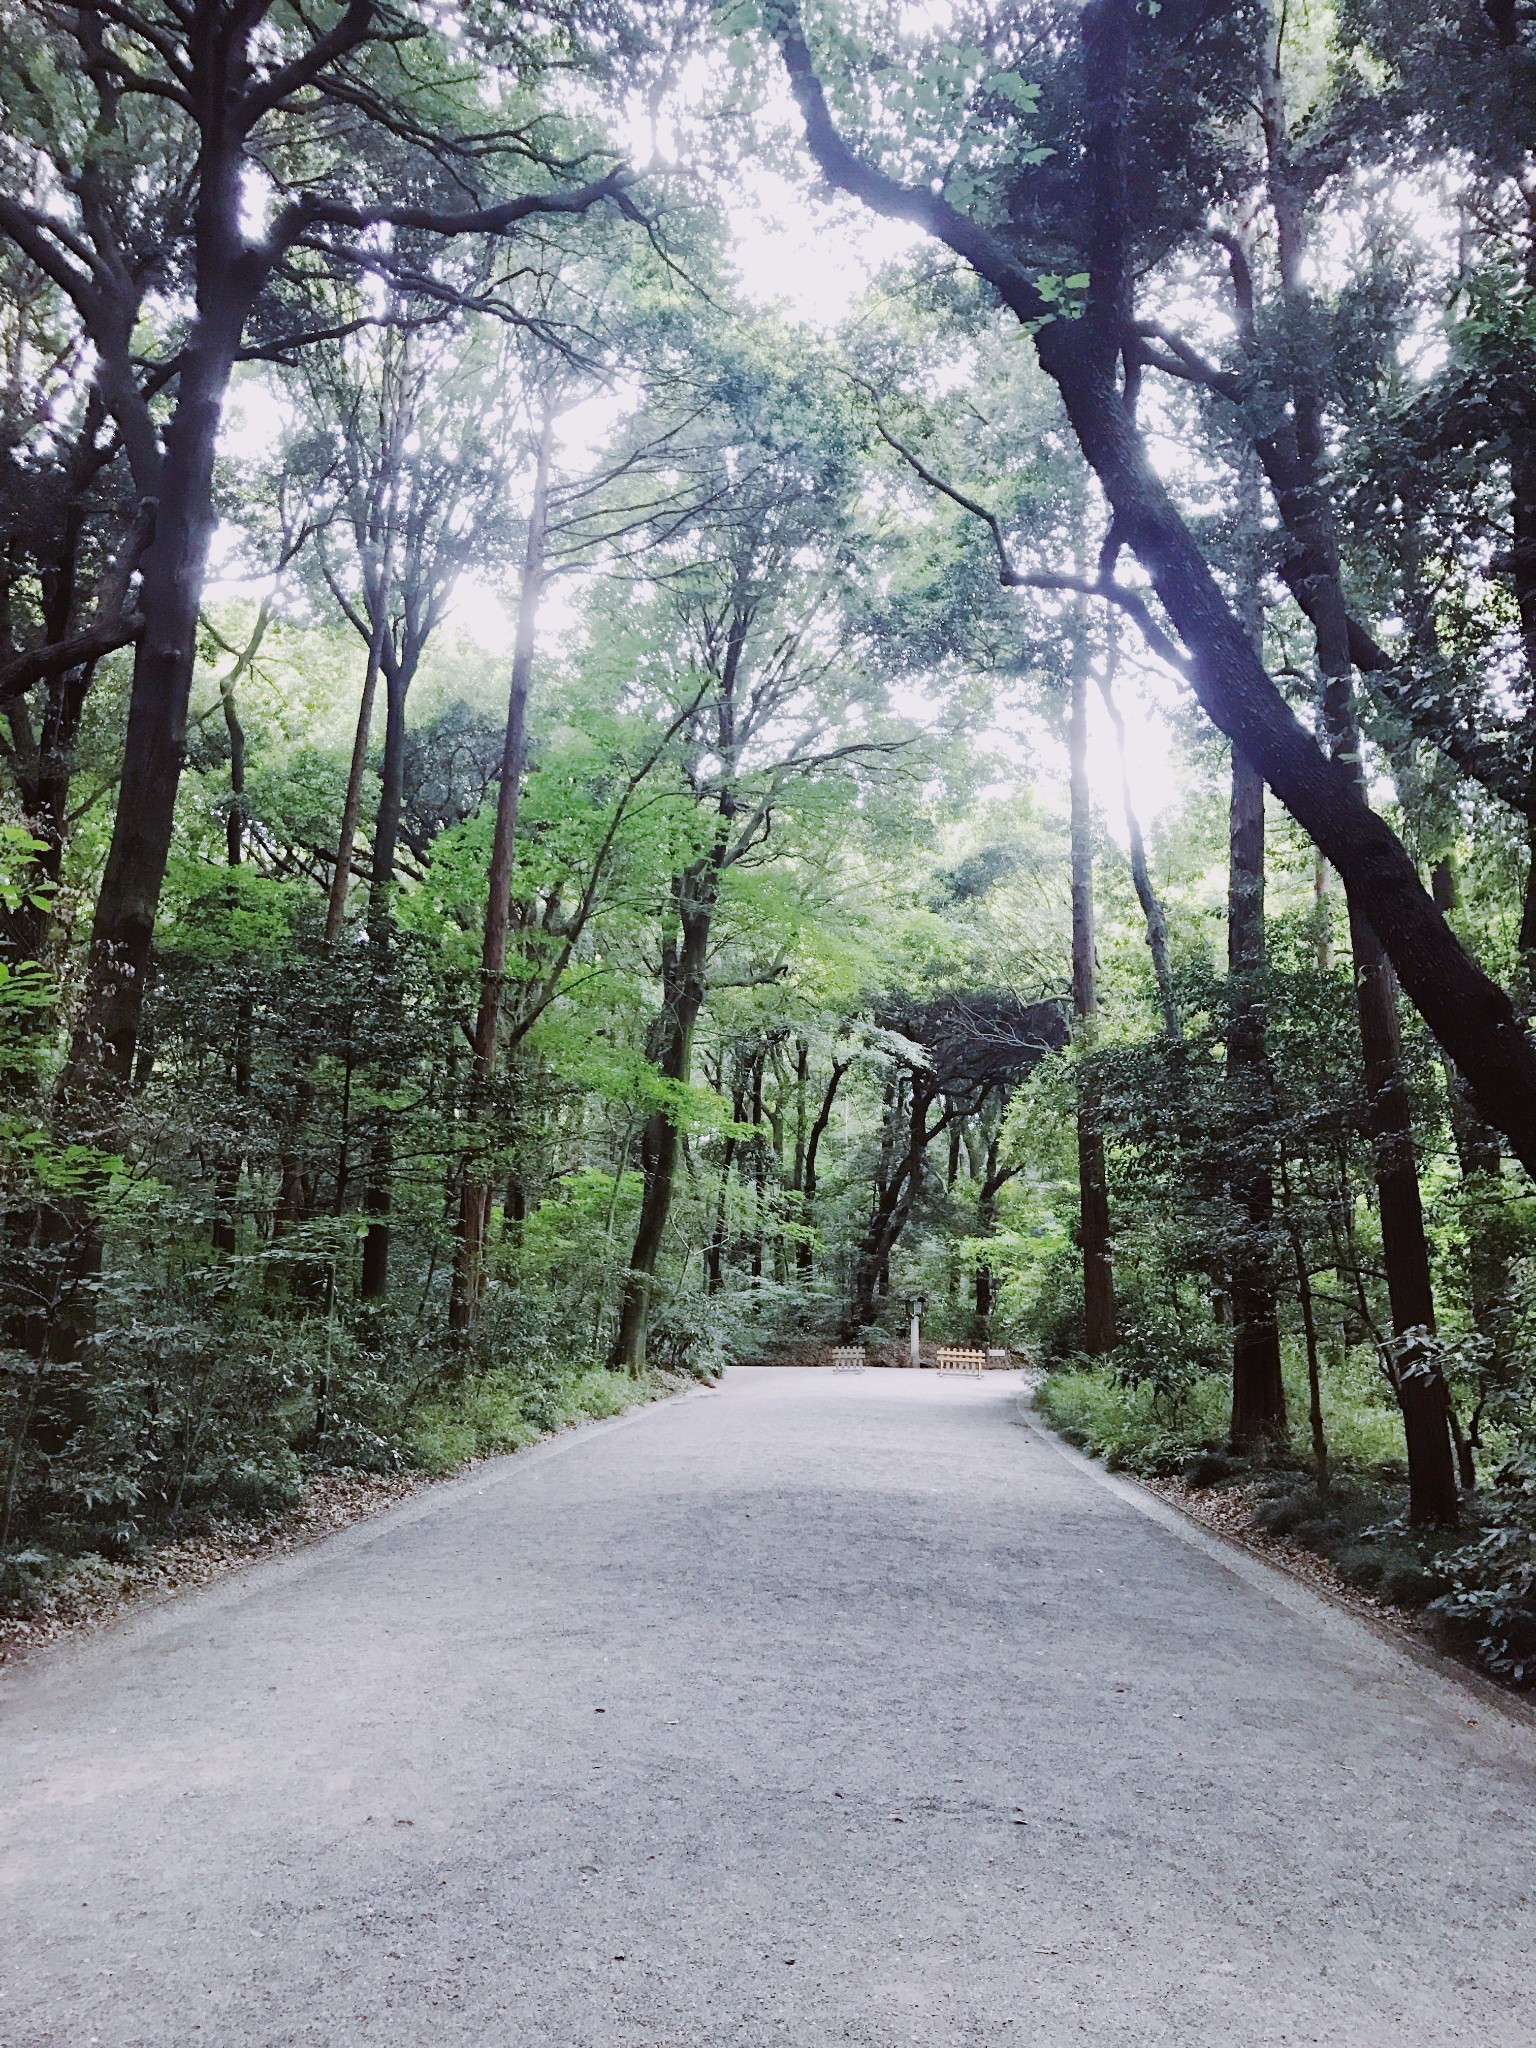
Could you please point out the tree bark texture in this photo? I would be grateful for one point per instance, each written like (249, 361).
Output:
(352, 803)
(171, 585)
(897, 1189)
(805, 1252)
(685, 955)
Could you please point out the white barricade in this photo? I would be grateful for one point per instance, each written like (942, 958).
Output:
(952, 1359)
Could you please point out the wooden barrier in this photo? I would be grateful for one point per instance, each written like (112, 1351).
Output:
(955, 1360)
(847, 1358)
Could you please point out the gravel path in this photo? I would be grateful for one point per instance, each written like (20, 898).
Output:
(828, 1708)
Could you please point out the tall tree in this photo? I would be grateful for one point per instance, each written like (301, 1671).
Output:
(1258, 1386)
(327, 119)
(770, 659)
(1126, 77)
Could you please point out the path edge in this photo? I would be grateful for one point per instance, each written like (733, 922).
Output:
(1390, 1648)
(143, 1619)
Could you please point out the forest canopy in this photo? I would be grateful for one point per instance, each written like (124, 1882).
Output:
(672, 677)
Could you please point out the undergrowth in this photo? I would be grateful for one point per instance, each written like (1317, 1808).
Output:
(73, 1557)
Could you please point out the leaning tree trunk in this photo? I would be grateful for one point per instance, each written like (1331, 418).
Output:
(1099, 1334)
(994, 1178)
(352, 803)
(897, 1192)
(805, 1250)
(1472, 1017)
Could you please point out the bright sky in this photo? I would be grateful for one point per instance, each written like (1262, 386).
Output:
(816, 261)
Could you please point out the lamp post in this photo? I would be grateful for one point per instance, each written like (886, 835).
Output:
(916, 1303)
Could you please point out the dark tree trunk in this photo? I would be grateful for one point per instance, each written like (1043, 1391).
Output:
(683, 988)
(994, 1178)
(378, 1185)
(1099, 1333)
(1305, 1300)
(398, 677)
(1522, 568)
(227, 1185)
(896, 1194)
(1294, 459)
(805, 1258)
(802, 1084)
(43, 767)
(1258, 1384)
(1414, 1366)
(714, 1251)
(42, 759)
(1490, 1240)
(758, 1160)
(352, 803)
(170, 595)
(1415, 1369)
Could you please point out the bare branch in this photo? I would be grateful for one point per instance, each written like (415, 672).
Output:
(344, 35)
(1130, 602)
(849, 172)
(314, 211)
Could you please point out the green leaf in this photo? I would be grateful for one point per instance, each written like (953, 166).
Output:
(1009, 85)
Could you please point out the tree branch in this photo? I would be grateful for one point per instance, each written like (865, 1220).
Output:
(21, 671)
(313, 211)
(344, 35)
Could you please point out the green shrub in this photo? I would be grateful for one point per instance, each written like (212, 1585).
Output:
(1134, 1428)
(504, 1409)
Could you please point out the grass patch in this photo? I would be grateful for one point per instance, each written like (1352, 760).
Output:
(1160, 1431)
(503, 1410)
